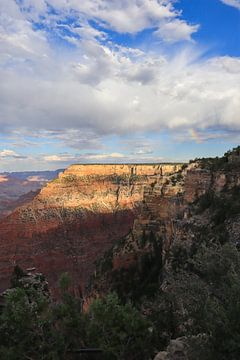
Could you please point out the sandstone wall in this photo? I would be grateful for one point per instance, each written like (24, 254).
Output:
(77, 217)
(121, 169)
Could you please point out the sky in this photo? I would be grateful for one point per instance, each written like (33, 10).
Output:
(98, 81)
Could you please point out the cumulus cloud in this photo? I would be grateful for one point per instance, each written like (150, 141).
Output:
(90, 88)
(234, 3)
(176, 30)
(18, 41)
(82, 90)
(180, 93)
(122, 16)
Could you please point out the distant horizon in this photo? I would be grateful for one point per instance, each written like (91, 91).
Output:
(108, 163)
(89, 164)
(117, 163)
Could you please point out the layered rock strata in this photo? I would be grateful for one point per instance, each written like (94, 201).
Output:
(81, 214)
(169, 214)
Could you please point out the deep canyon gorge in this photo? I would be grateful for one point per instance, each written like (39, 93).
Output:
(87, 209)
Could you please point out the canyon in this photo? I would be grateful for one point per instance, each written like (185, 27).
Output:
(76, 218)
(89, 211)
(160, 240)
(179, 212)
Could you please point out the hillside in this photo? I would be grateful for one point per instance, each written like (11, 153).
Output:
(76, 218)
(152, 255)
(180, 265)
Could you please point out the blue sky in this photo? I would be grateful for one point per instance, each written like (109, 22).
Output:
(117, 81)
(220, 25)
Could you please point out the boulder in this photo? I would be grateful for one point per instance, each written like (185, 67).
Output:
(176, 350)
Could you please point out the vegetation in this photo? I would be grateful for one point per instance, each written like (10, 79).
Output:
(196, 295)
(70, 179)
(191, 292)
(221, 163)
(141, 278)
(204, 299)
(120, 330)
(25, 328)
(199, 301)
(33, 327)
(221, 208)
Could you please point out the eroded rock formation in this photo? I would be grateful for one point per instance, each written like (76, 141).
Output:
(81, 214)
(170, 214)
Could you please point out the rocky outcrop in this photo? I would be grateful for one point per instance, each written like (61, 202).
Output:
(80, 215)
(170, 214)
(186, 348)
(166, 202)
(30, 282)
(90, 209)
(177, 350)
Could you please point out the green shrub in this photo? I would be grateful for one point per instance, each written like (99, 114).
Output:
(120, 330)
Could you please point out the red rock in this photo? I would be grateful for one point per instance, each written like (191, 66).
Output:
(75, 219)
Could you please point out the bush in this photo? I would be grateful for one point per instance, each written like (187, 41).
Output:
(25, 328)
(120, 330)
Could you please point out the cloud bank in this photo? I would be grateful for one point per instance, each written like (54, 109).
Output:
(63, 76)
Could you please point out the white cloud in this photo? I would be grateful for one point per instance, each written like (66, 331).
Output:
(10, 154)
(234, 3)
(82, 158)
(62, 160)
(104, 156)
(79, 95)
(174, 31)
(123, 16)
(18, 41)
(176, 93)
(59, 158)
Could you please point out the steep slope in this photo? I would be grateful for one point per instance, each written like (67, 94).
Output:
(177, 213)
(75, 219)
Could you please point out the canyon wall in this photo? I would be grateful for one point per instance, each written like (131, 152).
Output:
(166, 203)
(171, 214)
(81, 214)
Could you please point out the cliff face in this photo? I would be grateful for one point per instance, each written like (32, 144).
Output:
(180, 208)
(166, 203)
(81, 214)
